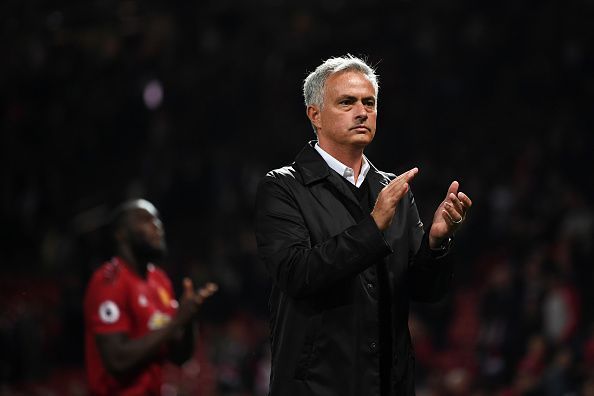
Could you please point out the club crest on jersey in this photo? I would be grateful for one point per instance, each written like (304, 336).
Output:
(109, 312)
(165, 297)
(158, 320)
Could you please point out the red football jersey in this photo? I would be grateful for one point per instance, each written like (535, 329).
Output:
(120, 301)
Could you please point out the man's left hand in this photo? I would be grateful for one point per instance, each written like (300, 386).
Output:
(450, 214)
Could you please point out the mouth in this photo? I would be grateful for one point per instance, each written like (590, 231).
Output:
(360, 129)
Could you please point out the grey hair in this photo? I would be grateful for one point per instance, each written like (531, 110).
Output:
(313, 86)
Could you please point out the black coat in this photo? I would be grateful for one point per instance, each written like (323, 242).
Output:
(324, 301)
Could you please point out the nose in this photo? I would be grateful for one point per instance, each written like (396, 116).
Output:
(360, 112)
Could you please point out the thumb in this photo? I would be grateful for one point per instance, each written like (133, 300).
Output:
(188, 288)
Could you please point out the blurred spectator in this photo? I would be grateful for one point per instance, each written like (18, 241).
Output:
(560, 310)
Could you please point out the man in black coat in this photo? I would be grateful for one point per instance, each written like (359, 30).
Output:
(346, 250)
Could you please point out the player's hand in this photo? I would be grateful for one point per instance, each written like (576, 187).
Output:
(449, 216)
(192, 300)
(385, 207)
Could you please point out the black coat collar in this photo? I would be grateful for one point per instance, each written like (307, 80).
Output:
(311, 165)
(313, 168)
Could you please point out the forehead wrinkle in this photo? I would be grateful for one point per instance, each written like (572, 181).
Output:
(354, 86)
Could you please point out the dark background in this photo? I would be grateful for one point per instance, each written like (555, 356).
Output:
(188, 104)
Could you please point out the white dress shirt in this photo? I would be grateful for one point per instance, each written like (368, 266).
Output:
(342, 169)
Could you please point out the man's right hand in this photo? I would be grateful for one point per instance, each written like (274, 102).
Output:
(385, 207)
(192, 300)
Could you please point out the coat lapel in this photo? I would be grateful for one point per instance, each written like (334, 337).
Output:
(313, 168)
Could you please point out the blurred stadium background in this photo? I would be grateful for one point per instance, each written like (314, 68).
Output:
(188, 104)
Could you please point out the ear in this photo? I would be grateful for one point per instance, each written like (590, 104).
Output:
(314, 115)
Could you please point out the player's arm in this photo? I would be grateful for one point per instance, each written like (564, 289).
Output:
(122, 355)
(182, 346)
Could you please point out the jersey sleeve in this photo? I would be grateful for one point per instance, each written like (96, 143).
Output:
(106, 306)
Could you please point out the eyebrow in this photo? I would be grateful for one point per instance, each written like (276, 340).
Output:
(351, 97)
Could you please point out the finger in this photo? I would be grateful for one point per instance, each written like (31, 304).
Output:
(208, 290)
(448, 219)
(394, 195)
(403, 178)
(397, 190)
(188, 287)
(454, 215)
(453, 189)
(465, 199)
(410, 174)
(458, 205)
(399, 193)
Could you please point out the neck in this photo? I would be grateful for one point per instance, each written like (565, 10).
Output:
(135, 263)
(350, 156)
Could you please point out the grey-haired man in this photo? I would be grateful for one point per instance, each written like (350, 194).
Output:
(346, 249)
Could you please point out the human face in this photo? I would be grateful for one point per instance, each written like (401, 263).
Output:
(145, 232)
(347, 119)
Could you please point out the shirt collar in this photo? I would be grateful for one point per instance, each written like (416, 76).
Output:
(342, 169)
